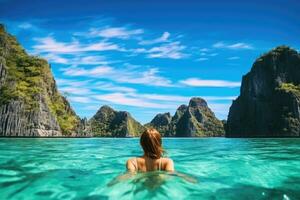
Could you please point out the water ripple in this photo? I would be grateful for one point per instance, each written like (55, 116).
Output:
(84, 168)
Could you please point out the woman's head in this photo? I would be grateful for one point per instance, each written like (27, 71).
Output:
(151, 143)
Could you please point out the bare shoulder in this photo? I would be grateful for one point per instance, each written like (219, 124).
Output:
(130, 160)
(169, 164)
(129, 164)
(167, 160)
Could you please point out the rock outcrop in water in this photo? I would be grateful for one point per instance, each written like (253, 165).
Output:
(194, 120)
(269, 103)
(30, 104)
(110, 123)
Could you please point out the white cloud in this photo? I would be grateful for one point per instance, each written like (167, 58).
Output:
(217, 98)
(74, 90)
(55, 58)
(93, 72)
(171, 50)
(116, 32)
(148, 77)
(76, 60)
(25, 25)
(240, 46)
(112, 87)
(219, 45)
(124, 75)
(92, 84)
(202, 59)
(204, 50)
(164, 38)
(168, 98)
(89, 60)
(236, 46)
(195, 82)
(209, 54)
(233, 58)
(166, 102)
(67, 82)
(50, 45)
(79, 99)
(124, 99)
(85, 92)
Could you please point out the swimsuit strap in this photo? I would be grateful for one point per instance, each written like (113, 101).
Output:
(137, 166)
(159, 168)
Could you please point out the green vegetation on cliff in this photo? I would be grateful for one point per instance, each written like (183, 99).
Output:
(290, 88)
(269, 103)
(29, 80)
(110, 123)
(194, 120)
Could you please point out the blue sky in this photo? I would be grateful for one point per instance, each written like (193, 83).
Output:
(148, 57)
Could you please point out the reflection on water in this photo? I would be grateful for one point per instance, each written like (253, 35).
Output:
(211, 168)
(150, 180)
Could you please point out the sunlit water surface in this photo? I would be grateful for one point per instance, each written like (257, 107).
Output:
(86, 169)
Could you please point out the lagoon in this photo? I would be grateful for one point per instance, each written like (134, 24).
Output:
(84, 168)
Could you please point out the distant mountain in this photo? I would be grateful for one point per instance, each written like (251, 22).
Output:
(269, 103)
(194, 120)
(30, 104)
(110, 123)
(162, 123)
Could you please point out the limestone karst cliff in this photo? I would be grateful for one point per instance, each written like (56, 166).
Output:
(194, 120)
(269, 101)
(110, 123)
(30, 104)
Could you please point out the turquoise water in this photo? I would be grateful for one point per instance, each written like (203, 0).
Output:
(87, 169)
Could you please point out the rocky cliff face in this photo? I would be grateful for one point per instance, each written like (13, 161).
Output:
(30, 104)
(162, 123)
(194, 120)
(269, 103)
(110, 123)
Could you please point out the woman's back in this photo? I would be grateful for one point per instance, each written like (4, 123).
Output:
(145, 164)
(152, 159)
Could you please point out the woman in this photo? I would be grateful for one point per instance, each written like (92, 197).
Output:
(152, 159)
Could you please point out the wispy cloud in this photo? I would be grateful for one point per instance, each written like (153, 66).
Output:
(206, 54)
(80, 59)
(54, 58)
(164, 38)
(195, 82)
(233, 58)
(74, 91)
(170, 50)
(202, 59)
(50, 45)
(149, 76)
(129, 100)
(116, 32)
(126, 96)
(112, 87)
(78, 99)
(166, 102)
(204, 50)
(93, 72)
(25, 25)
(239, 45)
